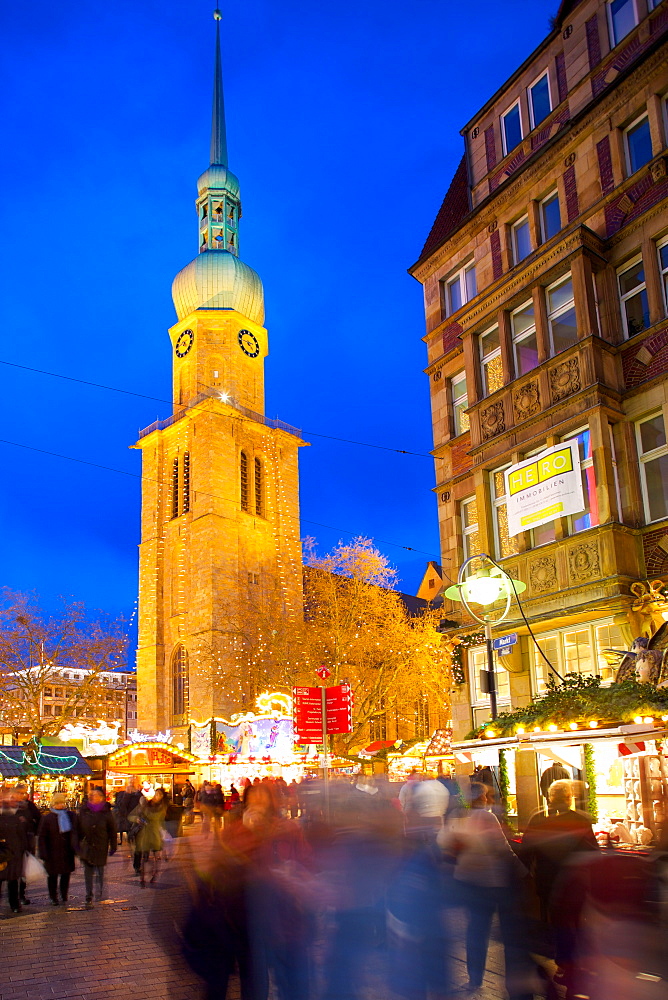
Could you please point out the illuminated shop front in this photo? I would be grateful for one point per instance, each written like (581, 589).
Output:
(46, 770)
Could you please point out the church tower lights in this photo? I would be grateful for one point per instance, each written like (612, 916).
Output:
(220, 507)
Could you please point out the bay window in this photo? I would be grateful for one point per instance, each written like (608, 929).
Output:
(653, 455)
(525, 345)
(561, 315)
(460, 402)
(490, 361)
(504, 544)
(469, 520)
(633, 297)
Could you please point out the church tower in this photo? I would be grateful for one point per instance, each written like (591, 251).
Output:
(220, 500)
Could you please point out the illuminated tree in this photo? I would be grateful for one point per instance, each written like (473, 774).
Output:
(358, 626)
(36, 648)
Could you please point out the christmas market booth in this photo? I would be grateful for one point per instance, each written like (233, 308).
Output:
(46, 770)
(158, 763)
(610, 741)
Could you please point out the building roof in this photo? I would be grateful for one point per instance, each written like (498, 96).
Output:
(453, 211)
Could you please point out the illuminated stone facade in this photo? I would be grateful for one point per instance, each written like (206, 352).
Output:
(545, 281)
(220, 500)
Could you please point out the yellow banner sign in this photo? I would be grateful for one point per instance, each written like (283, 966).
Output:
(541, 470)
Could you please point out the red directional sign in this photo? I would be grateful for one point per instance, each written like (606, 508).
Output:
(323, 672)
(307, 711)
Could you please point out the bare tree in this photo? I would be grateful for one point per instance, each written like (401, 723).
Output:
(36, 648)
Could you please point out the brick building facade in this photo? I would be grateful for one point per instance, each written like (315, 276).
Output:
(545, 282)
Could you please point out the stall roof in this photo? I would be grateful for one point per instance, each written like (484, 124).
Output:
(535, 740)
(49, 760)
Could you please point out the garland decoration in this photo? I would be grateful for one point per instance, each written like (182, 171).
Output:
(579, 702)
(504, 783)
(463, 642)
(590, 780)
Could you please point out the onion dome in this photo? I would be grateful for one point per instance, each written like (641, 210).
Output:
(216, 279)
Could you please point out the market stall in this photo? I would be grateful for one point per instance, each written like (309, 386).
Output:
(47, 770)
(159, 764)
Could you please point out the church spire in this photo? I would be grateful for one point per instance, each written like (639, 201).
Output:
(218, 134)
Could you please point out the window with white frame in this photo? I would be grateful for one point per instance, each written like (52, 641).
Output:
(550, 216)
(525, 345)
(653, 455)
(633, 297)
(470, 536)
(458, 289)
(540, 100)
(504, 544)
(622, 18)
(477, 657)
(460, 402)
(589, 516)
(637, 144)
(577, 650)
(662, 250)
(521, 239)
(491, 366)
(561, 315)
(511, 128)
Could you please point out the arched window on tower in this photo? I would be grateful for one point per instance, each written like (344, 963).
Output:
(259, 488)
(179, 683)
(175, 487)
(186, 482)
(243, 478)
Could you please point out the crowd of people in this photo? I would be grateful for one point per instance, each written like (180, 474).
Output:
(362, 873)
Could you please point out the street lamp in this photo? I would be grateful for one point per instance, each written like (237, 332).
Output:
(484, 586)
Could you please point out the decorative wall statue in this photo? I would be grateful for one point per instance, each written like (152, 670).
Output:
(646, 661)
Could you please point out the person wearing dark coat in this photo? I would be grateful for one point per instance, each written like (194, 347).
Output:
(96, 834)
(31, 816)
(56, 847)
(14, 842)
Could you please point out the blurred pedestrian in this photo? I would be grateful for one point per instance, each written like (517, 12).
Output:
(96, 836)
(188, 800)
(14, 844)
(149, 817)
(32, 816)
(56, 847)
(490, 876)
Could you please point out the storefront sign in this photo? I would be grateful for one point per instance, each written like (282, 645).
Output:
(543, 488)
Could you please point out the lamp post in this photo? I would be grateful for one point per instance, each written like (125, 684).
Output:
(485, 586)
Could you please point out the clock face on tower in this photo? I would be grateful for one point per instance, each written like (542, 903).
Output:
(248, 343)
(184, 343)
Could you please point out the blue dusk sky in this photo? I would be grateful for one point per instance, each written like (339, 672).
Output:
(343, 127)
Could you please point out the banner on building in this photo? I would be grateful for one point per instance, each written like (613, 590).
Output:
(542, 488)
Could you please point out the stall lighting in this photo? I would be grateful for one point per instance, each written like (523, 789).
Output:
(520, 730)
(574, 725)
(553, 728)
(536, 729)
(593, 724)
(664, 718)
(490, 734)
(638, 720)
(648, 720)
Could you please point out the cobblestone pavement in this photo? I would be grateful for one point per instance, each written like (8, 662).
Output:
(116, 949)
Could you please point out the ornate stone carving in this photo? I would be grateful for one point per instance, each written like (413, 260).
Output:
(543, 574)
(658, 169)
(583, 562)
(526, 400)
(492, 420)
(565, 379)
